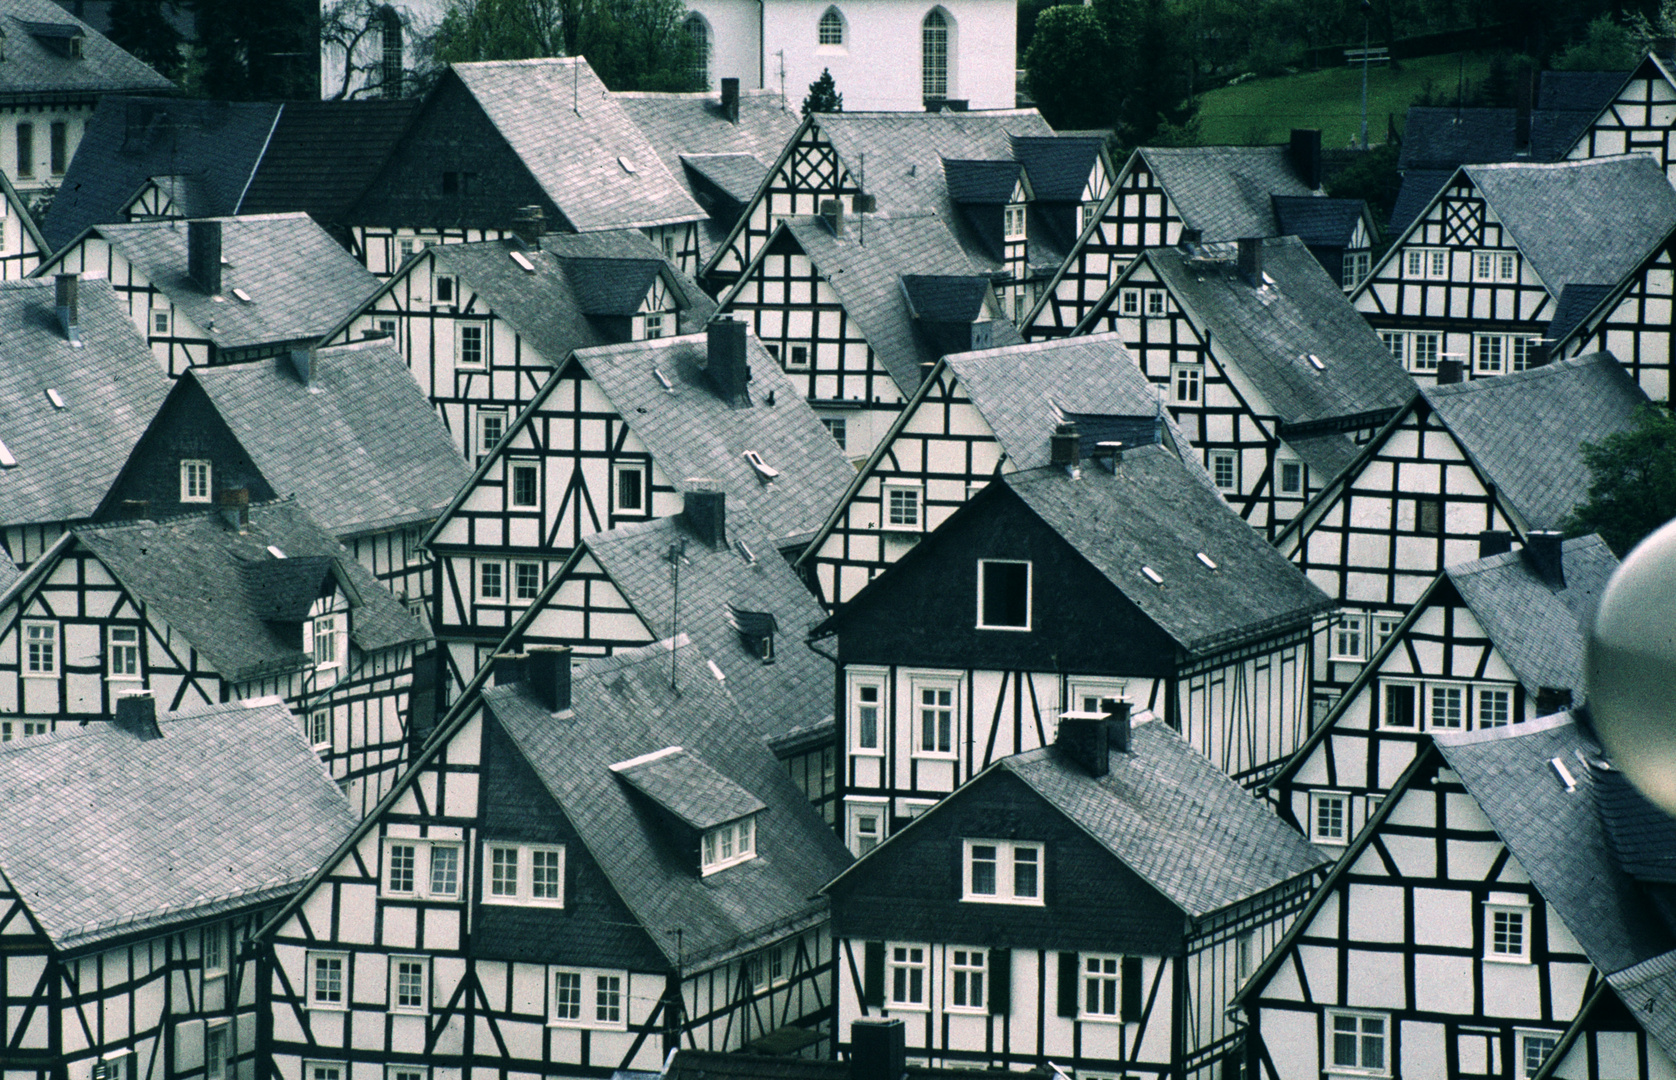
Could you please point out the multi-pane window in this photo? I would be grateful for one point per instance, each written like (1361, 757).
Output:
(325, 980)
(21, 729)
(491, 425)
(194, 481)
(40, 648)
(907, 975)
(1427, 262)
(1519, 352)
(1155, 301)
(1184, 383)
(698, 64)
(323, 1070)
(1013, 222)
(628, 487)
(934, 708)
(652, 325)
(1400, 705)
(1494, 707)
(215, 950)
(1356, 267)
(1003, 872)
(1534, 1050)
(1291, 478)
(1394, 340)
(423, 869)
(1426, 350)
(1349, 642)
(901, 507)
(1003, 594)
(1225, 470)
(1129, 302)
(1329, 817)
(160, 321)
(215, 1036)
(1383, 627)
(1447, 707)
(728, 844)
(865, 716)
(1102, 985)
(567, 995)
(836, 427)
(319, 729)
(934, 56)
(966, 978)
(867, 827)
(489, 583)
(525, 485)
(1507, 928)
(1357, 1041)
(124, 646)
(528, 874)
(469, 340)
(407, 1072)
(831, 30)
(526, 580)
(588, 998)
(1489, 354)
(797, 357)
(326, 641)
(1494, 266)
(608, 999)
(409, 976)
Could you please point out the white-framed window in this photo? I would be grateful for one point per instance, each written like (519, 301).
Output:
(1400, 703)
(838, 429)
(468, 345)
(831, 29)
(410, 984)
(906, 977)
(934, 55)
(326, 651)
(194, 480)
(1489, 353)
(1383, 627)
(588, 998)
(325, 1070)
(526, 580)
(901, 506)
(446, 293)
(935, 702)
(1394, 340)
(1519, 351)
(123, 652)
(1427, 348)
(1012, 222)
(865, 821)
(1357, 1042)
(1507, 267)
(24, 729)
(1185, 383)
(1004, 587)
(528, 875)
(320, 729)
(218, 1046)
(421, 869)
(1495, 707)
(728, 844)
(1446, 707)
(1349, 637)
(160, 321)
(967, 968)
(215, 950)
(1084, 694)
(40, 649)
(328, 980)
(1535, 1047)
(1507, 928)
(1129, 302)
(1155, 302)
(490, 585)
(1089, 212)
(1356, 267)
(491, 425)
(388, 327)
(628, 488)
(867, 715)
(1329, 817)
(1102, 987)
(1484, 266)
(1225, 470)
(407, 1072)
(1291, 478)
(1244, 957)
(797, 358)
(1002, 872)
(523, 489)
(651, 325)
(1421, 262)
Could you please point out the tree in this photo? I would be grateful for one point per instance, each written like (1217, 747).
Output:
(1606, 46)
(630, 44)
(1071, 69)
(1632, 482)
(823, 95)
(143, 29)
(259, 50)
(1372, 177)
(355, 36)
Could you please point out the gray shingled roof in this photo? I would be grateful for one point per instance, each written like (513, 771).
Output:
(1557, 835)
(1224, 191)
(693, 433)
(981, 183)
(108, 835)
(376, 455)
(737, 175)
(1319, 221)
(1648, 990)
(1576, 303)
(786, 699)
(187, 570)
(685, 785)
(1268, 334)
(1439, 137)
(579, 143)
(1524, 431)
(1157, 513)
(1537, 630)
(300, 281)
(622, 707)
(1058, 167)
(1174, 819)
(1642, 836)
(1419, 187)
(67, 458)
(1588, 222)
(33, 69)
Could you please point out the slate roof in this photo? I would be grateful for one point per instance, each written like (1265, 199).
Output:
(1225, 191)
(111, 386)
(790, 698)
(981, 183)
(693, 433)
(1557, 835)
(322, 155)
(1173, 818)
(33, 69)
(110, 836)
(1642, 836)
(300, 281)
(1444, 137)
(622, 707)
(9, 573)
(214, 146)
(690, 1064)
(1419, 187)
(1318, 221)
(1588, 91)
(685, 785)
(1576, 303)
(1538, 630)
(737, 175)
(1157, 513)
(376, 456)
(1524, 431)
(1586, 222)
(1058, 167)
(187, 570)
(581, 156)
(1648, 990)
(945, 297)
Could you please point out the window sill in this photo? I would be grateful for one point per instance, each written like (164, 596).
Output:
(212, 975)
(908, 1006)
(966, 1010)
(1014, 629)
(934, 755)
(718, 867)
(316, 1006)
(40, 675)
(585, 1025)
(1325, 842)
(1098, 1018)
(1516, 961)
(501, 901)
(1004, 900)
(322, 748)
(398, 1011)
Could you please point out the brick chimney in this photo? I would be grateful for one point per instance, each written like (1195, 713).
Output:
(1494, 542)
(548, 668)
(1448, 371)
(1251, 260)
(1117, 723)
(1065, 445)
(203, 254)
(1085, 738)
(509, 668)
(878, 1049)
(528, 224)
(832, 212)
(136, 713)
(730, 99)
(706, 513)
(725, 345)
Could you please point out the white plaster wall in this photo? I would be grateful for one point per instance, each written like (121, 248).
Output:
(735, 30)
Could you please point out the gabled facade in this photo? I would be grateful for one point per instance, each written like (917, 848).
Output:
(139, 969)
(1629, 321)
(1270, 373)
(1639, 119)
(1042, 915)
(1471, 927)
(1499, 455)
(1480, 274)
(976, 415)
(222, 290)
(579, 873)
(621, 434)
(200, 611)
(482, 334)
(1492, 642)
(1049, 593)
(21, 245)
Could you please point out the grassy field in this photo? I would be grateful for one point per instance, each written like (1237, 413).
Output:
(1265, 110)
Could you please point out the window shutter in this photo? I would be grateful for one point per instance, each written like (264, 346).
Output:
(1131, 988)
(1000, 982)
(1067, 984)
(873, 973)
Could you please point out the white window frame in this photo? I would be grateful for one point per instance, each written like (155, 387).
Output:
(325, 1070)
(1396, 342)
(1380, 630)
(1129, 303)
(213, 950)
(319, 730)
(1107, 975)
(122, 656)
(1507, 905)
(1189, 375)
(1507, 266)
(651, 325)
(425, 868)
(312, 966)
(838, 428)
(324, 643)
(40, 632)
(1518, 351)
(1078, 690)
(1029, 594)
(1013, 219)
(968, 978)
(1299, 471)
(906, 958)
(495, 569)
(1230, 458)
(1523, 1036)
(1006, 864)
(191, 471)
(216, 1061)
(618, 468)
(1483, 265)
(917, 683)
(1426, 263)
(524, 867)
(161, 321)
(1340, 635)
(424, 964)
(1385, 707)
(519, 590)
(858, 809)
(590, 1006)
(1330, 1064)
(728, 844)
(1489, 354)
(1481, 707)
(886, 509)
(859, 682)
(462, 350)
(1356, 267)
(1425, 359)
(1156, 307)
(1318, 801)
(490, 422)
(799, 356)
(513, 465)
(1435, 693)
(407, 1072)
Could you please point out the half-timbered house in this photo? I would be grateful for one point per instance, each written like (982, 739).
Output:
(1470, 926)
(1054, 589)
(1479, 275)
(206, 608)
(976, 415)
(21, 245)
(580, 873)
(1640, 118)
(1631, 320)
(1270, 372)
(855, 311)
(620, 434)
(77, 388)
(482, 325)
(715, 577)
(1210, 195)
(1491, 642)
(374, 467)
(496, 136)
(221, 290)
(1459, 460)
(139, 853)
(1090, 905)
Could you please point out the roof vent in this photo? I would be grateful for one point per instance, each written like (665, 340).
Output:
(7, 459)
(1152, 575)
(756, 631)
(1558, 765)
(764, 471)
(54, 397)
(628, 166)
(523, 261)
(241, 295)
(1315, 361)
(1209, 562)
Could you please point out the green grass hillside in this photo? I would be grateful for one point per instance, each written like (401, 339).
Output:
(1266, 110)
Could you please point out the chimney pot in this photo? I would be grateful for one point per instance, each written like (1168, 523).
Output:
(730, 99)
(725, 360)
(1065, 447)
(234, 504)
(1251, 260)
(203, 254)
(509, 668)
(1448, 371)
(302, 363)
(549, 675)
(706, 512)
(1542, 551)
(67, 301)
(832, 212)
(878, 1049)
(1306, 156)
(1494, 542)
(136, 713)
(528, 224)
(1085, 738)
(1117, 723)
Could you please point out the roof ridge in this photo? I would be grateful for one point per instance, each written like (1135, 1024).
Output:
(103, 527)
(1569, 163)
(1506, 731)
(88, 726)
(534, 61)
(1571, 363)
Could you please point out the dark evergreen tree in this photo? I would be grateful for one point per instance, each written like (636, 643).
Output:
(631, 44)
(259, 50)
(823, 95)
(1632, 482)
(143, 28)
(1070, 68)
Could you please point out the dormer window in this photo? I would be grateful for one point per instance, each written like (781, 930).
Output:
(1003, 872)
(325, 644)
(756, 631)
(701, 803)
(729, 844)
(1013, 221)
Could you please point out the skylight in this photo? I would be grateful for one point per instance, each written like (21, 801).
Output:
(663, 380)
(242, 295)
(1563, 773)
(1315, 362)
(275, 552)
(1207, 560)
(53, 396)
(523, 261)
(716, 671)
(745, 552)
(628, 166)
(1152, 575)
(7, 461)
(763, 469)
